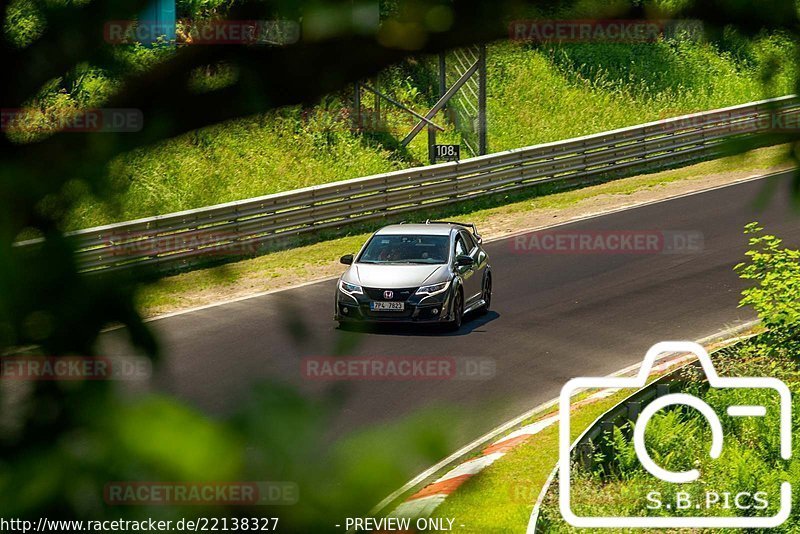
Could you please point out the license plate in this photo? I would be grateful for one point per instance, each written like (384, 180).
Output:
(386, 306)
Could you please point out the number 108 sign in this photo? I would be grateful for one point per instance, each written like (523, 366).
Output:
(447, 152)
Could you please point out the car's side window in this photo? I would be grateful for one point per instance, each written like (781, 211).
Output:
(461, 248)
(468, 241)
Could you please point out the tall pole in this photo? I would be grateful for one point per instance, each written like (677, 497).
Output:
(376, 120)
(431, 144)
(159, 16)
(482, 100)
(356, 106)
(442, 74)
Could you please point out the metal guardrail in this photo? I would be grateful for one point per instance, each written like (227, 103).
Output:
(246, 227)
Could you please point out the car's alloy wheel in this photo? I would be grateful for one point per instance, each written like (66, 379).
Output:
(487, 295)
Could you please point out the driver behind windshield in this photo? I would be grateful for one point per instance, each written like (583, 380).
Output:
(406, 249)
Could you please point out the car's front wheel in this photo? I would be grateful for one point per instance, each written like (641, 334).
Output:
(458, 312)
(487, 295)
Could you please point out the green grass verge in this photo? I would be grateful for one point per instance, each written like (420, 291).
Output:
(501, 498)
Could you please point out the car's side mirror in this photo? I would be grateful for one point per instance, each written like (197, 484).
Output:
(347, 259)
(464, 261)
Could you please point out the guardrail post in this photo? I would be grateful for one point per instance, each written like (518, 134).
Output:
(607, 427)
(356, 107)
(586, 455)
(584, 167)
(482, 146)
(238, 237)
(313, 206)
(634, 409)
(442, 74)
(641, 141)
(431, 144)
(385, 192)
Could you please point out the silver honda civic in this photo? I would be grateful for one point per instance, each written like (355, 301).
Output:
(434, 272)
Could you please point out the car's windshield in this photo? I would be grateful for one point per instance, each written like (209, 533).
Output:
(406, 249)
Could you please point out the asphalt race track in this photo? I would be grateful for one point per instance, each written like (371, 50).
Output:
(554, 317)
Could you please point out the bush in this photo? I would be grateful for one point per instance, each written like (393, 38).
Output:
(776, 293)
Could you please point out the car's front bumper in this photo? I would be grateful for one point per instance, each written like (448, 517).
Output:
(417, 309)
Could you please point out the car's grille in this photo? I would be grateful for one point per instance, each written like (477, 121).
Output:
(397, 294)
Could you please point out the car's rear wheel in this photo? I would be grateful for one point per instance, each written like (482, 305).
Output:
(487, 295)
(458, 312)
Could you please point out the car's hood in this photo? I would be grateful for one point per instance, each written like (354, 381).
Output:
(395, 276)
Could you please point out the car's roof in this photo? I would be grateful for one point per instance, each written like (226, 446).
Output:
(417, 229)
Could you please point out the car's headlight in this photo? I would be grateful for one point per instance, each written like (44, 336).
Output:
(433, 289)
(350, 289)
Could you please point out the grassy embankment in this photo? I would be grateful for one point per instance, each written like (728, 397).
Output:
(535, 94)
